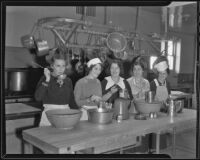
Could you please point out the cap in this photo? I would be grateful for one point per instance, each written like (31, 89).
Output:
(162, 66)
(161, 63)
(93, 62)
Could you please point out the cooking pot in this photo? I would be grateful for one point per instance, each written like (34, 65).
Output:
(42, 47)
(178, 103)
(100, 116)
(121, 107)
(17, 80)
(28, 41)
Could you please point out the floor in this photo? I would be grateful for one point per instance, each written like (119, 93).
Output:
(185, 146)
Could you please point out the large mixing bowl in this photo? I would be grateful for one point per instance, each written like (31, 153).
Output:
(100, 116)
(143, 107)
(64, 118)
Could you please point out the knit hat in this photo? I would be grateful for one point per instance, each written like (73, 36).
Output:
(93, 62)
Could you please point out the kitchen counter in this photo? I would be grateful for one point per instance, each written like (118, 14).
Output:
(103, 138)
(22, 110)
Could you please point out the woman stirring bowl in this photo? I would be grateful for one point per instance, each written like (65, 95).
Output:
(139, 85)
(55, 91)
(160, 85)
(87, 90)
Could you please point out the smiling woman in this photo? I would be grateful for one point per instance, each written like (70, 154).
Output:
(87, 90)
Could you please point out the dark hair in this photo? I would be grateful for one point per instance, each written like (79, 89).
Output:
(119, 63)
(88, 69)
(139, 61)
(58, 54)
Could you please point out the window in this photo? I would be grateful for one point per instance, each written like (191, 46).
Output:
(172, 50)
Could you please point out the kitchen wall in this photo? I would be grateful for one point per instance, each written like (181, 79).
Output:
(20, 20)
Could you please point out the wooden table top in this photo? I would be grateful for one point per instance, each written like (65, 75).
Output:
(86, 135)
(17, 110)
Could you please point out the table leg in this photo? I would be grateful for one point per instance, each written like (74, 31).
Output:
(28, 148)
(158, 143)
(174, 142)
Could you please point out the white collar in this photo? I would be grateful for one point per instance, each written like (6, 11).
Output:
(111, 82)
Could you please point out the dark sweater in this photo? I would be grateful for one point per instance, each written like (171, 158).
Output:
(116, 94)
(153, 86)
(54, 94)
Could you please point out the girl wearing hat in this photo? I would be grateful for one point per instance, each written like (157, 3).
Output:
(88, 90)
(53, 90)
(160, 84)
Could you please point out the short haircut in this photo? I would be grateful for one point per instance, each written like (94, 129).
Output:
(139, 61)
(58, 54)
(119, 63)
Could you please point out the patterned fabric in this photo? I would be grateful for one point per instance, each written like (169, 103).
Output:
(138, 89)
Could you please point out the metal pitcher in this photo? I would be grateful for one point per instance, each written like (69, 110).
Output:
(121, 107)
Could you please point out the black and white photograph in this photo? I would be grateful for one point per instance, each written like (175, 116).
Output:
(100, 79)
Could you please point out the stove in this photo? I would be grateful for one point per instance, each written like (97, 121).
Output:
(18, 97)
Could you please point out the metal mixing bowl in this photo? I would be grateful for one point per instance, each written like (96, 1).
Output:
(100, 116)
(145, 108)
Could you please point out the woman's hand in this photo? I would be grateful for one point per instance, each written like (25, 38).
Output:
(47, 74)
(113, 89)
(95, 98)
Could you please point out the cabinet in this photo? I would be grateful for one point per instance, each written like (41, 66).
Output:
(19, 116)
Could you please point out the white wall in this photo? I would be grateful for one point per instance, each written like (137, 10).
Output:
(20, 20)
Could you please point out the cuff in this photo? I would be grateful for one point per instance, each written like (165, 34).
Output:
(45, 84)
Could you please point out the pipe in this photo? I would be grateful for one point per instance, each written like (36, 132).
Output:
(69, 34)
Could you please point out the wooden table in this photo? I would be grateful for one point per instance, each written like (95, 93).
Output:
(103, 138)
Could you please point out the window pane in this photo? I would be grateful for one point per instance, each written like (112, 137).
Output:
(152, 59)
(171, 62)
(178, 57)
(170, 48)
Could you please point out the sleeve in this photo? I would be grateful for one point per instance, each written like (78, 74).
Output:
(106, 96)
(100, 87)
(128, 87)
(72, 102)
(147, 85)
(153, 86)
(78, 90)
(168, 87)
(41, 90)
(103, 86)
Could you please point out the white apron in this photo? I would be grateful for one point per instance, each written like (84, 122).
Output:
(44, 121)
(161, 92)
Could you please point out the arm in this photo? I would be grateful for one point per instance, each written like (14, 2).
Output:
(72, 102)
(128, 87)
(168, 87)
(41, 89)
(153, 86)
(78, 89)
(107, 94)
